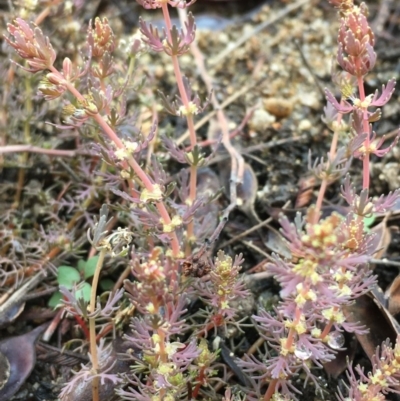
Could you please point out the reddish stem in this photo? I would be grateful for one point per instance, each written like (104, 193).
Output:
(83, 325)
(190, 124)
(147, 183)
(200, 380)
(366, 129)
(270, 390)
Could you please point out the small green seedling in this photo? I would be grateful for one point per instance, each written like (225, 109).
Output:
(68, 276)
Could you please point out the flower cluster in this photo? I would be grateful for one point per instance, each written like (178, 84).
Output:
(360, 108)
(174, 43)
(101, 38)
(356, 41)
(163, 365)
(223, 286)
(327, 271)
(329, 265)
(384, 378)
(31, 45)
(357, 57)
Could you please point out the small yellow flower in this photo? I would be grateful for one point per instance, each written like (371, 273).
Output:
(363, 387)
(206, 356)
(172, 348)
(121, 154)
(284, 349)
(175, 222)
(170, 254)
(191, 109)
(154, 195)
(130, 146)
(125, 175)
(316, 333)
(333, 315)
(224, 304)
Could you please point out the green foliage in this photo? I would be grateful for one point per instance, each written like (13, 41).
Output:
(88, 267)
(68, 277)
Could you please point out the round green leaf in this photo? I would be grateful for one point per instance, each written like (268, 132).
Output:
(84, 292)
(90, 266)
(81, 265)
(67, 276)
(55, 299)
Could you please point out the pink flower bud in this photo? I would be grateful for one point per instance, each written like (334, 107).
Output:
(31, 45)
(101, 37)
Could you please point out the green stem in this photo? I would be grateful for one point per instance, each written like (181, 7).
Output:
(92, 325)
